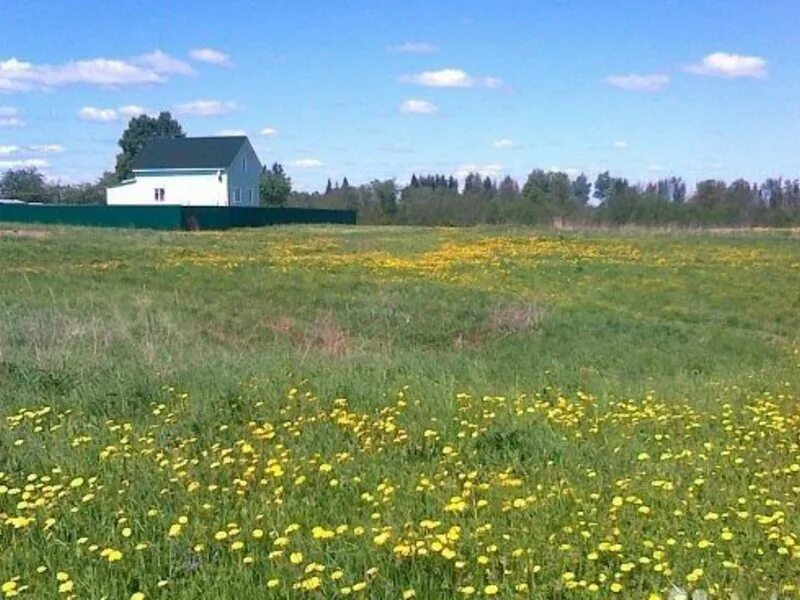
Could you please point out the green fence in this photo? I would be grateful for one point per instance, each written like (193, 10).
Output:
(169, 217)
(212, 217)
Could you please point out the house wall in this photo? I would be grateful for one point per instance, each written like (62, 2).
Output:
(196, 188)
(244, 179)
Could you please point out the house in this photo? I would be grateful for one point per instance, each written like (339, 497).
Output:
(192, 171)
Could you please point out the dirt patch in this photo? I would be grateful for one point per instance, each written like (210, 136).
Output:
(322, 335)
(468, 340)
(503, 319)
(36, 234)
(510, 318)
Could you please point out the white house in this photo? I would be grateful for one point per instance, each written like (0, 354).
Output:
(192, 171)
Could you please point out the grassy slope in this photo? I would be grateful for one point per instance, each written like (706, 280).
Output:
(101, 321)
(99, 308)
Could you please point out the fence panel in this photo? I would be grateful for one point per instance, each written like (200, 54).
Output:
(169, 217)
(149, 217)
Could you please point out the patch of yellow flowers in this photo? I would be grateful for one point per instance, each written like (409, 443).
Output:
(527, 496)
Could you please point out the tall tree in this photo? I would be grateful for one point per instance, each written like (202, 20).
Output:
(581, 189)
(329, 187)
(473, 183)
(508, 188)
(140, 130)
(602, 186)
(24, 184)
(386, 194)
(274, 186)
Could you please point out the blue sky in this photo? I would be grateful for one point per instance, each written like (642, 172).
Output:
(372, 89)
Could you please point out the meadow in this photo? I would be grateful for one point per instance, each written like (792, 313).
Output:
(365, 412)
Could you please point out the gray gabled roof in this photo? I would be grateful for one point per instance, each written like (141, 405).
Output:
(189, 153)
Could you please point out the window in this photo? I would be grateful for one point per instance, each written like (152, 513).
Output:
(244, 165)
(236, 195)
(250, 196)
(158, 194)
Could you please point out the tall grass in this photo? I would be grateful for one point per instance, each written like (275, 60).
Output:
(379, 412)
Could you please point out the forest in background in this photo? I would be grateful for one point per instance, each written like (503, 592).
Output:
(544, 198)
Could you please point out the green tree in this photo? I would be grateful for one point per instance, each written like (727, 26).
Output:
(581, 189)
(386, 194)
(275, 186)
(140, 130)
(603, 186)
(26, 184)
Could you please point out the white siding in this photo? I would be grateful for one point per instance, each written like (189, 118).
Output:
(245, 179)
(185, 189)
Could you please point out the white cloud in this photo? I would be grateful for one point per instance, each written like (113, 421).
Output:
(101, 115)
(36, 148)
(106, 115)
(307, 163)
(571, 171)
(417, 107)
(211, 56)
(132, 110)
(414, 48)
(504, 143)
(36, 163)
(46, 148)
(450, 78)
(269, 131)
(8, 111)
(9, 117)
(19, 75)
(232, 132)
(722, 64)
(206, 108)
(160, 62)
(11, 122)
(639, 83)
(620, 144)
(487, 170)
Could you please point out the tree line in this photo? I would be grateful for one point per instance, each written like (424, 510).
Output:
(549, 197)
(545, 197)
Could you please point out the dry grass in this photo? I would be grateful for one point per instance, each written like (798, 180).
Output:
(26, 233)
(503, 319)
(511, 318)
(323, 335)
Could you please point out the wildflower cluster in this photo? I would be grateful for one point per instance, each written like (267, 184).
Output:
(526, 496)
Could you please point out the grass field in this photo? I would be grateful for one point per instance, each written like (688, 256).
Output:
(398, 413)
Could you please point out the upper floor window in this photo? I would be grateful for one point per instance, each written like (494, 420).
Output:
(244, 165)
(158, 194)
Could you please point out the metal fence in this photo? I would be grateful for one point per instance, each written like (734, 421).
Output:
(169, 217)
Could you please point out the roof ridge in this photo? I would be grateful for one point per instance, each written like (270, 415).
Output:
(189, 152)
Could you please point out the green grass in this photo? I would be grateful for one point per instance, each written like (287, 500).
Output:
(556, 361)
